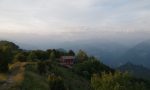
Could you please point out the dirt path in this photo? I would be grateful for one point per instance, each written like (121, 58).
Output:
(8, 84)
(11, 81)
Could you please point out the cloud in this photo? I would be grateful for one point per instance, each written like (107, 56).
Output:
(73, 18)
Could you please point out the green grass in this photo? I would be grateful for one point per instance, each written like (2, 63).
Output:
(32, 80)
(72, 80)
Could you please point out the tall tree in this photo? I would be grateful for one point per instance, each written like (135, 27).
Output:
(52, 56)
(81, 56)
(3, 62)
(32, 56)
(41, 55)
(71, 52)
(8, 49)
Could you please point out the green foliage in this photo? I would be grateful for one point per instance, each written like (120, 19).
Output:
(49, 51)
(32, 56)
(56, 83)
(20, 57)
(116, 81)
(3, 63)
(89, 67)
(71, 53)
(42, 68)
(55, 54)
(32, 67)
(7, 51)
(81, 56)
(60, 78)
(33, 81)
(41, 55)
(9, 45)
(52, 56)
(72, 80)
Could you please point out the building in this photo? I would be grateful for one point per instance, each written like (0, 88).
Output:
(67, 60)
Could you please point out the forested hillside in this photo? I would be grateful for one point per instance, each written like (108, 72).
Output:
(42, 70)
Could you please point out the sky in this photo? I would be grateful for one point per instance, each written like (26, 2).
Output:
(72, 20)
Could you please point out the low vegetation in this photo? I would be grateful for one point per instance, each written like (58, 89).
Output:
(41, 70)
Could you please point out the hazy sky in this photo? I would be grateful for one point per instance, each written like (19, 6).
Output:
(72, 19)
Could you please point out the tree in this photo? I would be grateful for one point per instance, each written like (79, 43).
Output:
(116, 81)
(41, 55)
(70, 52)
(3, 63)
(57, 53)
(8, 50)
(81, 56)
(32, 56)
(20, 57)
(11, 45)
(49, 51)
(52, 56)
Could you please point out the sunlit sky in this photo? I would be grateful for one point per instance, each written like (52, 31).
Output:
(72, 18)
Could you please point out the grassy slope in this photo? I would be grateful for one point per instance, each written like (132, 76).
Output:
(34, 81)
(27, 78)
(72, 81)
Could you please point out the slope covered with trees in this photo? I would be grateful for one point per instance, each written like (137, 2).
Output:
(39, 69)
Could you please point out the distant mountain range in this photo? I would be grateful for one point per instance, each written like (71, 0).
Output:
(107, 52)
(111, 53)
(116, 54)
(138, 71)
(139, 54)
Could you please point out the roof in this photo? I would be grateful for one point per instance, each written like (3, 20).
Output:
(68, 57)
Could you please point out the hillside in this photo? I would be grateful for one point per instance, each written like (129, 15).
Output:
(139, 54)
(48, 70)
(138, 71)
(25, 76)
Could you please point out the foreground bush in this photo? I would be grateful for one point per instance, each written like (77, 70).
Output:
(56, 83)
(116, 81)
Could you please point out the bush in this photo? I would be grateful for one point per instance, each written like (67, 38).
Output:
(56, 83)
(89, 67)
(116, 81)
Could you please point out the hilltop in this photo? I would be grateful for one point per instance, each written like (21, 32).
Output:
(42, 70)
